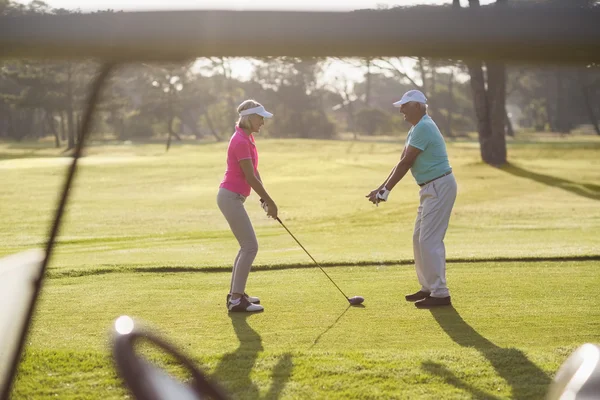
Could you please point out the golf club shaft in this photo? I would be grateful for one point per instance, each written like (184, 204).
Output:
(311, 257)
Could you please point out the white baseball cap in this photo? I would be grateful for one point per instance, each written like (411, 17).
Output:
(260, 110)
(411, 95)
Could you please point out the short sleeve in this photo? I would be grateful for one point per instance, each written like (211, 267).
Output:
(419, 137)
(241, 151)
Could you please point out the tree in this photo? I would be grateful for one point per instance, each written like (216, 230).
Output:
(344, 89)
(489, 102)
(584, 77)
(556, 98)
(291, 85)
(372, 121)
(225, 93)
(168, 82)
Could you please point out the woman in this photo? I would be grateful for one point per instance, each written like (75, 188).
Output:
(240, 177)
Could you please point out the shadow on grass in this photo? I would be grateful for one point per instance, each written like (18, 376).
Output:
(525, 378)
(589, 191)
(440, 370)
(234, 369)
(329, 327)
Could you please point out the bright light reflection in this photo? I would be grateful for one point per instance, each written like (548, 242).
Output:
(293, 5)
(124, 325)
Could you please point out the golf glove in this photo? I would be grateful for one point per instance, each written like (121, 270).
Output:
(383, 194)
(264, 205)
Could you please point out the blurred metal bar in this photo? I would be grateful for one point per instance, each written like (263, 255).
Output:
(512, 34)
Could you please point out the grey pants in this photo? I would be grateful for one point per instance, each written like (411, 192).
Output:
(437, 200)
(231, 205)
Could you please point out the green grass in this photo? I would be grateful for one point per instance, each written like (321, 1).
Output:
(143, 237)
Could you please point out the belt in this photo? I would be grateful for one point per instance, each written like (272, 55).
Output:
(441, 176)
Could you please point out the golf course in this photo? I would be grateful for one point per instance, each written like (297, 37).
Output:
(143, 236)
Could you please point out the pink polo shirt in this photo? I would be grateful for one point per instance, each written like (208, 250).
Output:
(241, 147)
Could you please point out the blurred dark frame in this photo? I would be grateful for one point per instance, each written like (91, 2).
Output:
(521, 34)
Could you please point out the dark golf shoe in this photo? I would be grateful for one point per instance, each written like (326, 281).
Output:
(244, 306)
(420, 295)
(253, 300)
(431, 302)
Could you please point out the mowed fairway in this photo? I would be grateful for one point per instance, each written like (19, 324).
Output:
(143, 237)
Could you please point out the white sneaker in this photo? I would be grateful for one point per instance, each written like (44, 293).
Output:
(243, 305)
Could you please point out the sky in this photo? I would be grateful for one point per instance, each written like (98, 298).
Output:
(337, 5)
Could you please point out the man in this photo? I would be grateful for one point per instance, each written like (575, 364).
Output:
(425, 155)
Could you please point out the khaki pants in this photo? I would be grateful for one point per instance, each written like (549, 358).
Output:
(231, 205)
(436, 202)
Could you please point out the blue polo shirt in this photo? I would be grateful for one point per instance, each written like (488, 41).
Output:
(433, 161)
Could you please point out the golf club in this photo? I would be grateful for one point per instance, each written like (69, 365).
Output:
(354, 301)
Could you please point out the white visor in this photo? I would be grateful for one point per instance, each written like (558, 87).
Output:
(257, 110)
(411, 95)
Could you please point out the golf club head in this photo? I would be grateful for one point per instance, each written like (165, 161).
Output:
(356, 300)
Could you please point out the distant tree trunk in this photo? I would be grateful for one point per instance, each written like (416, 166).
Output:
(351, 119)
(3, 122)
(171, 118)
(497, 111)
(40, 126)
(118, 123)
(10, 123)
(29, 118)
(563, 121)
(428, 85)
(63, 126)
(70, 119)
(432, 90)
(23, 124)
(368, 82)
(188, 120)
(490, 105)
(211, 127)
(121, 127)
(480, 104)
(52, 125)
(227, 73)
(450, 103)
(455, 5)
(553, 99)
(588, 103)
(173, 133)
(424, 85)
(558, 124)
(509, 126)
(348, 105)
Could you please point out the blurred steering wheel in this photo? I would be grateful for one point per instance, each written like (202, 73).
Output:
(145, 380)
(579, 376)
